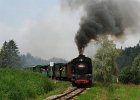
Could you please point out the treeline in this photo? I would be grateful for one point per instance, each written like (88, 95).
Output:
(129, 63)
(10, 57)
(128, 55)
(28, 60)
(111, 64)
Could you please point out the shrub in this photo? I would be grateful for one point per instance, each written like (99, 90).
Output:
(135, 76)
(125, 75)
(129, 75)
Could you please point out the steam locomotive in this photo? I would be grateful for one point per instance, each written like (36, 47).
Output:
(81, 71)
(78, 71)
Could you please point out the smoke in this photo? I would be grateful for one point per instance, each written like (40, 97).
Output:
(104, 17)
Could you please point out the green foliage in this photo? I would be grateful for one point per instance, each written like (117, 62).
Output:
(131, 74)
(20, 85)
(136, 62)
(3, 55)
(109, 63)
(105, 61)
(125, 75)
(9, 54)
(136, 70)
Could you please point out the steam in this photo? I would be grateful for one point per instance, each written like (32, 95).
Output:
(104, 17)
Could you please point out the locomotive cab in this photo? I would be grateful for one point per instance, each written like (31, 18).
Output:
(81, 71)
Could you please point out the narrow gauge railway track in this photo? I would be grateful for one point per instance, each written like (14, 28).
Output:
(70, 94)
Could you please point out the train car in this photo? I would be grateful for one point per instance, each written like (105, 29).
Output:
(69, 71)
(60, 71)
(81, 72)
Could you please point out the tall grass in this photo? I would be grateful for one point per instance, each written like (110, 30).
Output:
(18, 84)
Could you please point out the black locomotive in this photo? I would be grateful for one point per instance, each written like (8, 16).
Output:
(81, 71)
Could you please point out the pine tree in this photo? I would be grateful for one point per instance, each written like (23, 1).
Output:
(9, 55)
(3, 55)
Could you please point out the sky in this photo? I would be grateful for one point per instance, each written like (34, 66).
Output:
(44, 29)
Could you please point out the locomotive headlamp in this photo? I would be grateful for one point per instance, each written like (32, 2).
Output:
(81, 65)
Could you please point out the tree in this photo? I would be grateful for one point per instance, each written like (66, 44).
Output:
(136, 70)
(105, 61)
(3, 55)
(14, 59)
(9, 54)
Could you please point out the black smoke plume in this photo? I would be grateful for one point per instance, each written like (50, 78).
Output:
(104, 17)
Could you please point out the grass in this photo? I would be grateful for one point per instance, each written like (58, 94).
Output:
(18, 84)
(112, 92)
(126, 92)
(60, 87)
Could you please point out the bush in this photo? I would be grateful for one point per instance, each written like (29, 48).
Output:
(18, 84)
(129, 75)
(125, 75)
(135, 76)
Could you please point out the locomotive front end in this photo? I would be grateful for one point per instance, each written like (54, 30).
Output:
(81, 71)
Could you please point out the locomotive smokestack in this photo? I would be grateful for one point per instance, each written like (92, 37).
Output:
(81, 51)
(104, 17)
